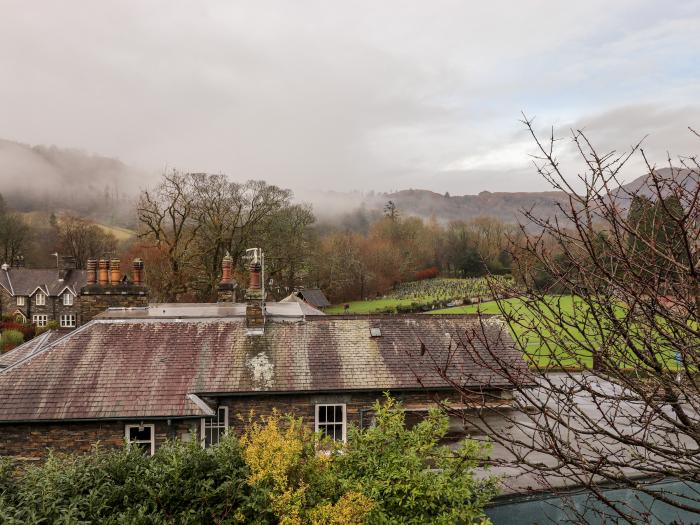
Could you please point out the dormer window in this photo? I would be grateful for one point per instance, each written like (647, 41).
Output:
(40, 299)
(67, 299)
(20, 300)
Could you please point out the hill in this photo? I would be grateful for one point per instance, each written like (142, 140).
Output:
(103, 189)
(502, 205)
(51, 179)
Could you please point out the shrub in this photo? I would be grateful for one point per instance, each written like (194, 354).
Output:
(427, 273)
(389, 464)
(11, 339)
(279, 472)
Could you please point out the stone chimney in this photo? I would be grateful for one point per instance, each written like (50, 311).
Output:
(105, 288)
(65, 266)
(226, 291)
(255, 302)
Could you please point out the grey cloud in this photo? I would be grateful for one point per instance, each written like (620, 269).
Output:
(327, 95)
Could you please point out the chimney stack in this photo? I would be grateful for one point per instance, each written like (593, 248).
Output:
(115, 271)
(137, 271)
(255, 302)
(66, 264)
(105, 288)
(91, 271)
(226, 291)
(103, 275)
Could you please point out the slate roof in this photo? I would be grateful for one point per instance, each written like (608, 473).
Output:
(144, 368)
(25, 281)
(307, 308)
(314, 297)
(30, 347)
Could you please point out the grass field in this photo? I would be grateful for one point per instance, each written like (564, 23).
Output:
(569, 351)
(415, 293)
(122, 234)
(40, 218)
(523, 332)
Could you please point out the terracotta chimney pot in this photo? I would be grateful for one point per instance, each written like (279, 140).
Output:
(255, 276)
(115, 271)
(226, 266)
(137, 271)
(103, 277)
(91, 271)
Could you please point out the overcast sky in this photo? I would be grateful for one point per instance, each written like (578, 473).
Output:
(348, 95)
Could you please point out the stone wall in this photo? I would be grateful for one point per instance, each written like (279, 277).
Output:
(96, 298)
(358, 406)
(32, 440)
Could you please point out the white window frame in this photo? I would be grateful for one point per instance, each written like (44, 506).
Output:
(67, 299)
(40, 299)
(20, 300)
(40, 319)
(319, 424)
(208, 425)
(67, 321)
(152, 441)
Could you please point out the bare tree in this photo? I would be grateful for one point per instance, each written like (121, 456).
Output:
(612, 397)
(192, 220)
(170, 218)
(233, 216)
(82, 239)
(14, 234)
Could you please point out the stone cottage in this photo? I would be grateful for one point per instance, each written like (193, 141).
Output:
(194, 371)
(66, 295)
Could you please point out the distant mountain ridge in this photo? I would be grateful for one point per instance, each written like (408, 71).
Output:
(47, 178)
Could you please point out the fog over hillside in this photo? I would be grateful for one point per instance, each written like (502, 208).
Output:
(52, 179)
(48, 178)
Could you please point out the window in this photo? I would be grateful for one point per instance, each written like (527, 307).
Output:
(40, 319)
(67, 299)
(141, 436)
(40, 299)
(20, 300)
(68, 321)
(330, 420)
(214, 428)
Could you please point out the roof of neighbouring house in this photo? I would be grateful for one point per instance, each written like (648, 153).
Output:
(148, 366)
(314, 297)
(25, 281)
(30, 347)
(307, 308)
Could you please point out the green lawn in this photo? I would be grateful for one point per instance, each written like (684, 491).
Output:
(421, 292)
(368, 307)
(566, 354)
(569, 349)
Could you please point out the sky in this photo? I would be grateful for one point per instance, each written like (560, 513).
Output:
(365, 95)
